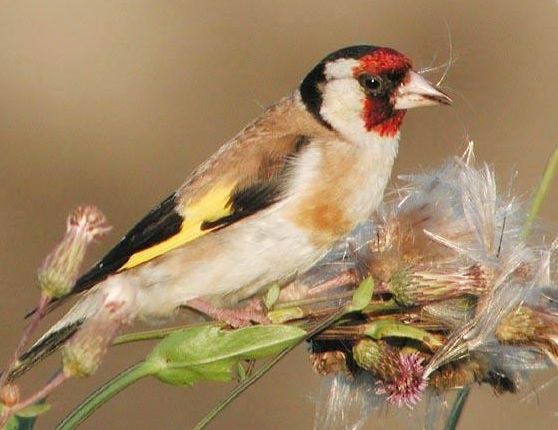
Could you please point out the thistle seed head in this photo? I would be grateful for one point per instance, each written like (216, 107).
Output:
(59, 271)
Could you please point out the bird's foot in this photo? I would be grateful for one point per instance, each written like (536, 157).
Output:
(253, 312)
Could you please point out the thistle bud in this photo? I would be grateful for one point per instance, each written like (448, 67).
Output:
(83, 354)
(60, 269)
(85, 351)
(367, 354)
(427, 284)
(9, 395)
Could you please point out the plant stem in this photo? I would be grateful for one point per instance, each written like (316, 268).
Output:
(36, 318)
(311, 301)
(157, 333)
(457, 408)
(39, 396)
(546, 181)
(144, 335)
(248, 382)
(104, 394)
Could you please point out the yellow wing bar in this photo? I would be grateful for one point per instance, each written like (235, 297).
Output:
(214, 205)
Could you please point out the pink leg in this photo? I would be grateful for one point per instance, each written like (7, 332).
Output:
(252, 312)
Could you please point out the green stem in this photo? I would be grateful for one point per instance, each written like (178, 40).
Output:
(144, 335)
(155, 334)
(248, 382)
(164, 332)
(312, 301)
(542, 190)
(457, 408)
(104, 394)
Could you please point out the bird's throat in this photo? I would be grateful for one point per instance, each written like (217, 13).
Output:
(375, 119)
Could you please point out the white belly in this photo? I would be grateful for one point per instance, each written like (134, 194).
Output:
(237, 261)
(224, 266)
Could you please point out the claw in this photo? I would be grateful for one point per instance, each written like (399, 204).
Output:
(253, 312)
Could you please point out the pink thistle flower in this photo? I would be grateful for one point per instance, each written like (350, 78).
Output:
(408, 383)
(88, 221)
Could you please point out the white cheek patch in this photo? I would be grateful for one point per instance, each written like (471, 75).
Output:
(342, 106)
(339, 69)
(343, 98)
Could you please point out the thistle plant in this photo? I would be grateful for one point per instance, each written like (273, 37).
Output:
(443, 290)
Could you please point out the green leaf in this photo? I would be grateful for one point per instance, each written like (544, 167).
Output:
(12, 424)
(279, 316)
(362, 296)
(210, 353)
(20, 423)
(390, 328)
(272, 296)
(240, 371)
(34, 410)
(25, 419)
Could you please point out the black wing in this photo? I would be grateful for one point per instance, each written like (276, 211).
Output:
(159, 224)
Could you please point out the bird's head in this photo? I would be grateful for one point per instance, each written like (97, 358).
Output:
(365, 89)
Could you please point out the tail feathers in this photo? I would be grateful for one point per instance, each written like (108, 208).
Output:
(45, 346)
(59, 333)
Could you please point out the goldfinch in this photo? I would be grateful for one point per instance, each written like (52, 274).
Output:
(269, 203)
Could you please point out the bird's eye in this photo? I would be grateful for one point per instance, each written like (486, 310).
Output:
(372, 84)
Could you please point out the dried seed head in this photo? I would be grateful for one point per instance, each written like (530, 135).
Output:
(501, 381)
(60, 269)
(115, 308)
(533, 327)
(447, 256)
(519, 326)
(89, 221)
(82, 355)
(457, 374)
(328, 362)
(9, 395)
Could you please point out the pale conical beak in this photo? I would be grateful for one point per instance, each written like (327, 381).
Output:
(415, 91)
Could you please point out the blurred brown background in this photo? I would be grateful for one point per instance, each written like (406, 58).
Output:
(114, 103)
